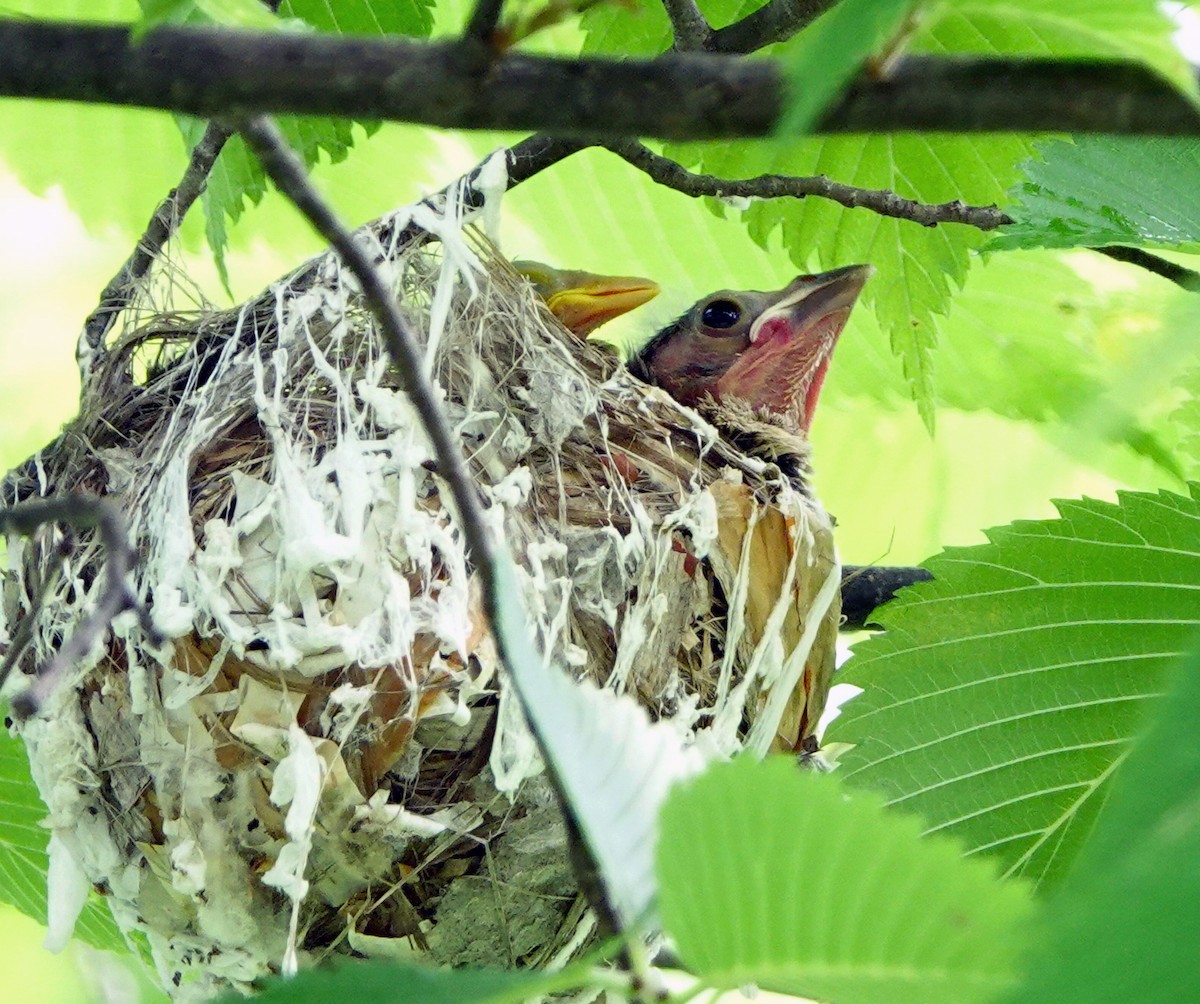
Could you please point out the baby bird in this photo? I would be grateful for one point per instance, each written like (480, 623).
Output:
(755, 361)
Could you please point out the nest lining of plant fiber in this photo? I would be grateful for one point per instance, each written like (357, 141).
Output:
(296, 548)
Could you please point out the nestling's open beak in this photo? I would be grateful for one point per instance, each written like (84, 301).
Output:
(583, 301)
(783, 367)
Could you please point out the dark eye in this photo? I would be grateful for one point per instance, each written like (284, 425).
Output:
(721, 314)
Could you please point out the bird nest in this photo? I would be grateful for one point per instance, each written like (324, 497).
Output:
(297, 551)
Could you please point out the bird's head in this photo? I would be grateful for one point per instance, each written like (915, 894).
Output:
(767, 350)
(583, 301)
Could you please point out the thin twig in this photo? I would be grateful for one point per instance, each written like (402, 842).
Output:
(162, 226)
(1184, 277)
(773, 186)
(689, 27)
(776, 21)
(673, 175)
(82, 512)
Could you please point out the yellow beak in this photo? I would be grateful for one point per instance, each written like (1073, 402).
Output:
(583, 301)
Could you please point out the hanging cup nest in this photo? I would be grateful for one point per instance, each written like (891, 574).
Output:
(297, 548)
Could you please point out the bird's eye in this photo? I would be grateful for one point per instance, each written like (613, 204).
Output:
(721, 314)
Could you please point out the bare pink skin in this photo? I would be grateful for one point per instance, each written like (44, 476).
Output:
(768, 350)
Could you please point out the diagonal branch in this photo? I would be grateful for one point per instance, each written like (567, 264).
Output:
(287, 171)
(773, 186)
(162, 226)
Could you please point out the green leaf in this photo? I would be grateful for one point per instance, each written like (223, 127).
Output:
(156, 12)
(384, 983)
(344, 17)
(1081, 194)
(239, 14)
(232, 13)
(832, 50)
(1003, 695)
(1114, 931)
(124, 11)
(1021, 340)
(1186, 421)
(782, 878)
(641, 30)
(364, 17)
(23, 855)
(1136, 30)
(1029, 338)
(237, 179)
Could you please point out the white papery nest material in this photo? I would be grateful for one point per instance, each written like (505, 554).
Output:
(323, 758)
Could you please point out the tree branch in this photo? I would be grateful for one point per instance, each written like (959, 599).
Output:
(773, 186)
(945, 94)
(212, 72)
(537, 153)
(776, 21)
(485, 16)
(162, 226)
(1184, 277)
(865, 587)
(673, 175)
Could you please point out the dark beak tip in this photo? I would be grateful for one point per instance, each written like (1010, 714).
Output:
(852, 278)
(860, 272)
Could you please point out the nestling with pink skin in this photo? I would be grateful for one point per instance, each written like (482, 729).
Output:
(768, 352)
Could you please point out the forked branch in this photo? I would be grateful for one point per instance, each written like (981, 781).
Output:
(79, 512)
